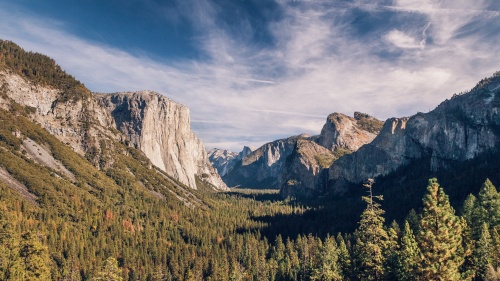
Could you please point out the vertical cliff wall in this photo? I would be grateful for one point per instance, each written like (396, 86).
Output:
(160, 128)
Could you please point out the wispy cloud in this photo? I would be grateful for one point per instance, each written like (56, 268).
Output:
(326, 57)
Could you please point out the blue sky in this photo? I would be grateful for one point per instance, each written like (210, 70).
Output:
(252, 71)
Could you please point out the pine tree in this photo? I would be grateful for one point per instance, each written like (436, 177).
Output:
(371, 239)
(392, 251)
(469, 210)
(489, 205)
(440, 237)
(35, 258)
(495, 256)
(483, 253)
(344, 258)
(109, 271)
(409, 255)
(328, 267)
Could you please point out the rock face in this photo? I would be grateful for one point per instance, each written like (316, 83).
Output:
(154, 124)
(264, 166)
(457, 130)
(344, 132)
(224, 160)
(161, 129)
(306, 172)
(298, 165)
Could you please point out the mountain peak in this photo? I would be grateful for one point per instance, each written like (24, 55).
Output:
(344, 132)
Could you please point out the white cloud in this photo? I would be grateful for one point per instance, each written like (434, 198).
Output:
(246, 94)
(402, 40)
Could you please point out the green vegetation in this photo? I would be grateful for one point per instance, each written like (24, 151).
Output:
(325, 160)
(126, 223)
(40, 69)
(368, 123)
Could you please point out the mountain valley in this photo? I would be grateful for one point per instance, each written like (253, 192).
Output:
(118, 187)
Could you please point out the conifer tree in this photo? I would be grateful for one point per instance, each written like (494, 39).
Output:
(292, 261)
(391, 251)
(328, 267)
(489, 205)
(468, 208)
(440, 237)
(468, 233)
(344, 258)
(371, 239)
(483, 253)
(35, 258)
(109, 271)
(495, 253)
(409, 255)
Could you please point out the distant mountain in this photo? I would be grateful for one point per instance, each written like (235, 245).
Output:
(90, 123)
(224, 160)
(297, 164)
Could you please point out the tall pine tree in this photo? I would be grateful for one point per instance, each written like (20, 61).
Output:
(409, 256)
(440, 238)
(371, 239)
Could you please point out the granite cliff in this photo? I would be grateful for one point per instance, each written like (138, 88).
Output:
(263, 167)
(160, 128)
(90, 123)
(306, 171)
(456, 131)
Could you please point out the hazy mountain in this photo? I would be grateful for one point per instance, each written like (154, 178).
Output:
(224, 160)
(297, 164)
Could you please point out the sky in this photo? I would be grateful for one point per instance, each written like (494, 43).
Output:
(252, 71)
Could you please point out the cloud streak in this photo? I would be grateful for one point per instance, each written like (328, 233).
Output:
(325, 57)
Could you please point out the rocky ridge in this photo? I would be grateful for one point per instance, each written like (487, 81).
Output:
(459, 129)
(298, 165)
(91, 122)
(224, 160)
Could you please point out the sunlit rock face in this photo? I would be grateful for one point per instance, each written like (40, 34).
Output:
(306, 173)
(263, 167)
(457, 130)
(161, 128)
(147, 120)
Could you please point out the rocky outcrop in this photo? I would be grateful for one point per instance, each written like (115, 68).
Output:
(224, 160)
(160, 128)
(456, 131)
(154, 124)
(263, 168)
(306, 171)
(344, 132)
